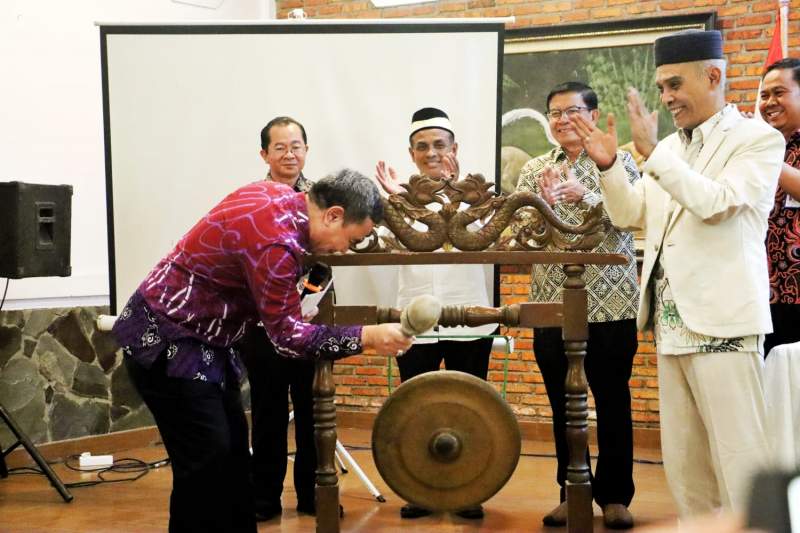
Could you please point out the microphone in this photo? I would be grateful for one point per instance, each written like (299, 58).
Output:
(318, 277)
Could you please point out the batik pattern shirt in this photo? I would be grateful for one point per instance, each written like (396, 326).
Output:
(783, 237)
(674, 338)
(240, 264)
(613, 290)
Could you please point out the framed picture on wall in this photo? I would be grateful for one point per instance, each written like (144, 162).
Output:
(608, 56)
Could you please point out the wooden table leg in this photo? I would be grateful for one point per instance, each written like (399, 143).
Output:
(576, 333)
(327, 489)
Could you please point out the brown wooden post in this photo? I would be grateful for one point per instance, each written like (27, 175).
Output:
(327, 489)
(576, 333)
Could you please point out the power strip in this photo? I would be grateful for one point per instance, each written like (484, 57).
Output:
(95, 462)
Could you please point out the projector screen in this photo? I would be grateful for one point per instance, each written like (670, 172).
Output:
(184, 106)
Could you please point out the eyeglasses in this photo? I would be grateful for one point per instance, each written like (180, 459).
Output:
(282, 149)
(556, 114)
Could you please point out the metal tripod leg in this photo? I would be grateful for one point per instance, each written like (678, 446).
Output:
(31, 449)
(361, 475)
(342, 467)
(342, 452)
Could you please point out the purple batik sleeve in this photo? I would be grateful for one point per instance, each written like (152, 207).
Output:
(273, 281)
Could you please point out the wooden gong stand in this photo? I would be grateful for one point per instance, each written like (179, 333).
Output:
(571, 315)
(517, 227)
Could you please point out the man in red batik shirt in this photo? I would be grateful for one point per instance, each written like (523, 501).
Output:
(780, 107)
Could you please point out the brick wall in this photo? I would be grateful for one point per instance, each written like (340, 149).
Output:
(363, 382)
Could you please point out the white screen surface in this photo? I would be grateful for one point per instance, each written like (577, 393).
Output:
(184, 112)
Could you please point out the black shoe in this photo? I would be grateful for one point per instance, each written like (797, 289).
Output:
(268, 512)
(410, 510)
(471, 513)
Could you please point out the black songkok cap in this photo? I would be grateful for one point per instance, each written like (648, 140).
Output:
(689, 45)
(430, 117)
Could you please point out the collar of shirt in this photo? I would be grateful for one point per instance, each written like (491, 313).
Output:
(302, 184)
(701, 132)
(582, 165)
(558, 154)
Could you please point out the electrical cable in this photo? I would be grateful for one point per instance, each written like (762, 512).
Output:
(136, 466)
(125, 465)
(24, 470)
(4, 294)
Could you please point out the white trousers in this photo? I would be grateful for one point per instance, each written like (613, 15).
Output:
(713, 435)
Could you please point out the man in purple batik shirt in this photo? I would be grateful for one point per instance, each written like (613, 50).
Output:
(239, 264)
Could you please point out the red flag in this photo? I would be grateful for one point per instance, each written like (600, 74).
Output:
(775, 53)
(775, 49)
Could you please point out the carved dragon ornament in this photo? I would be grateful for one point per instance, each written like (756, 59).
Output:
(468, 216)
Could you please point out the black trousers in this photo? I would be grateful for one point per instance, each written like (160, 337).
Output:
(785, 325)
(471, 357)
(204, 430)
(608, 363)
(272, 379)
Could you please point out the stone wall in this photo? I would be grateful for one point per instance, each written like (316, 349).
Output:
(61, 378)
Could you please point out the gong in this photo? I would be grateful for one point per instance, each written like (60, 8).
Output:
(445, 441)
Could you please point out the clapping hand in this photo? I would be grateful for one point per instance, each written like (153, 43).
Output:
(555, 190)
(548, 179)
(450, 168)
(599, 145)
(387, 177)
(644, 124)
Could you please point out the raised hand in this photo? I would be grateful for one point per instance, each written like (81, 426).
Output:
(644, 124)
(450, 168)
(387, 177)
(601, 146)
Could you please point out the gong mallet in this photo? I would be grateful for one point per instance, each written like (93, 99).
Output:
(420, 315)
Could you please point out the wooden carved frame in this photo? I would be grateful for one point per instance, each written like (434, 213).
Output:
(470, 217)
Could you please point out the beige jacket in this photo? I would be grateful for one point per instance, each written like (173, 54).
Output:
(712, 243)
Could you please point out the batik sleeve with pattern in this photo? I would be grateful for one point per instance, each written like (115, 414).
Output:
(273, 282)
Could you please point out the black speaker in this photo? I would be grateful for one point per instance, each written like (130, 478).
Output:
(35, 225)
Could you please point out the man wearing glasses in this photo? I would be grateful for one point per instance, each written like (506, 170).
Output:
(569, 181)
(273, 377)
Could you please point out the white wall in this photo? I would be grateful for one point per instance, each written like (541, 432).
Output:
(51, 118)
(182, 128)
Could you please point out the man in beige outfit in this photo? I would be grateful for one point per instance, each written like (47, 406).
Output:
(703, 203)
